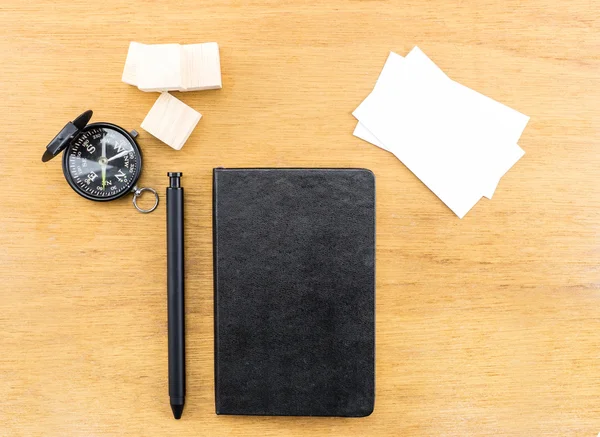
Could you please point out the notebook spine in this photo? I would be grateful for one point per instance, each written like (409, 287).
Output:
(215, 290)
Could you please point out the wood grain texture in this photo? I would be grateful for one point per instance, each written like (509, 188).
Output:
(171, 121)
(486, 326)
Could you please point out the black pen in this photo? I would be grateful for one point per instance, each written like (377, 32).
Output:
(175, 292)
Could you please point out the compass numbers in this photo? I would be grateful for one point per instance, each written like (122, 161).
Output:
(91, 177)
(121, 177)
(88, 146)
(109, 186)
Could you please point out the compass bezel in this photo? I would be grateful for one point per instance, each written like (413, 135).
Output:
(130, 186)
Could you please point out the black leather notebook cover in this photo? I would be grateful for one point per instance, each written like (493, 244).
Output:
(294, 278)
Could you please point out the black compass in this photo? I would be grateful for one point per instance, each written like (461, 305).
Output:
(101, 161)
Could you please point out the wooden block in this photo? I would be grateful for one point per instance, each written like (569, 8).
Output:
(131, 63)
(200, 67)
(171, 121)
(159, 68)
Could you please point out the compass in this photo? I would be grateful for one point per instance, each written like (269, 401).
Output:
(101, 161)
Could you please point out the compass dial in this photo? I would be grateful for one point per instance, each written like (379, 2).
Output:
(103, 162)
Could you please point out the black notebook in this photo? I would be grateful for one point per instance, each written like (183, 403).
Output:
(294, 283)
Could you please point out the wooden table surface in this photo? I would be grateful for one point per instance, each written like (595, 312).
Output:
(486, 326)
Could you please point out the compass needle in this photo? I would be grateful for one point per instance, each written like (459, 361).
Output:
(103, 162)
(126, 152)
(103, 142)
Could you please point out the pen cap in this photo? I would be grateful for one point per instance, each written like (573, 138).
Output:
(174, 179)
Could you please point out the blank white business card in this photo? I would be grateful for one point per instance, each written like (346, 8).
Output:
(481, 132)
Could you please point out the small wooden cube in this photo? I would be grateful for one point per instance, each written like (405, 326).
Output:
(159, 68)
(200, 67)
(131, 63)
(171, 121)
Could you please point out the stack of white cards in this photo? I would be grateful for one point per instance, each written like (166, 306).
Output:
(172, 67)
(458, 142)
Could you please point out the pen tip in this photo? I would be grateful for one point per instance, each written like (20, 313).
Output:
(177, 411)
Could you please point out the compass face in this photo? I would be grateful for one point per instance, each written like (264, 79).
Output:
(103, 162)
